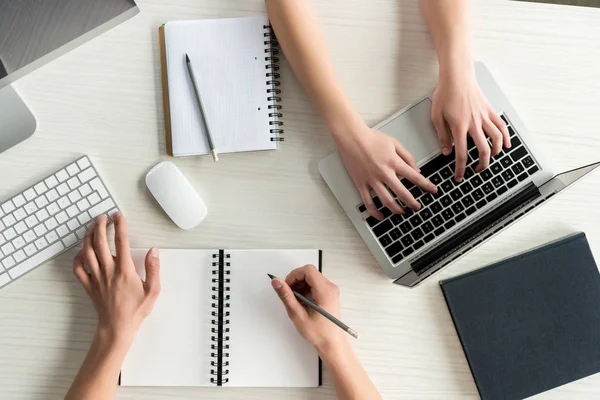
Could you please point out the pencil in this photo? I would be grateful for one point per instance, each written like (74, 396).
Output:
(324, 313)
(211, 143)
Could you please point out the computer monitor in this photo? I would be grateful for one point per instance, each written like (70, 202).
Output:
(33, 33)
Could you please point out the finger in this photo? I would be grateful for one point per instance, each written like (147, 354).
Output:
(386, 198)
(406, 156)
(101, 242)
(403, 194)
(121, 239)
(442, 131)
(496, 120)
(81, 274)
(483, 147)
(152, 264)
(294, 309)
(90, 258)
(460, 148)
(416, 178)
(494, 133)
(309, 275)
(365, 195)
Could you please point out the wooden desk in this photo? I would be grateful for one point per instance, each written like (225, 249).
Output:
(103, 99)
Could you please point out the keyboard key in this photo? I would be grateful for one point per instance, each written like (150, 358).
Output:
(372, 221)
(447, 214)
(72, 169)
(446, 201)
(84, 205)
(506, 161)
(379, 230)
(73, 211)
(7, 249)
(496, 168)
(497, 181)
(74, 197)
(62, 189)
(29, 236)
(10, 234)
(418, 244)
(470, 210)
(397, 259)
(481, 203)
(63, 202)
(460, 217)
(20, 227)
(30, 208)
(394, 249)
(518, 154)
(35, 260)
(407, 240)
(476, 181)
(416, 192)
(436, 164)
(449, 224)
(446, 173)
(51, 223)
(396, 219)
(435, 179)
(385, 240)
(86, 175)
(407, 252)
(427, 227)
(477, 194)
(508, 175)
(62, 217)
(504, 118)
(40, 230)
(51, 181)
(73, 183)
(69, 240)
(528, 162)
(512, 183)
(406, 183)
(42, 215)
(447, 186)
(522, 177)
(468, 201)
(62, 175)
(19, 200)
(437, 221)
(429, 238)
(487, 188)
(468, 173)
(19, 256)
(425, 214)
(19, 214)
(474, 153)
(83, 163)
(52, 237)
(456, 194)
(8, 207)
(29, 194)
(491, 196)
(30, 249)
(457, 207)
(427, 199)
(62, 230)
(533, 170)
(376, 201)
(514, 140)
(9, 220)
(8, 262)
(41, 243)
(486, 174)
(52, 209)
(73, 224)
(40, 188)
(466, 187)
(395, 234)
(440, 192)
(416, 220)
(362, 208)
(41, 202)
(80, 233)
(518, 168)
(405, 227)
(501, 190)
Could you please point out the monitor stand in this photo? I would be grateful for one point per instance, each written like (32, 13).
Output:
(17, 123)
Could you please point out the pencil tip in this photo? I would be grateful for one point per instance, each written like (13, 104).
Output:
(187, 58)
(271, 276)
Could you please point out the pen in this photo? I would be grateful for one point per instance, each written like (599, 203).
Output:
(324, 313)
(211, 143)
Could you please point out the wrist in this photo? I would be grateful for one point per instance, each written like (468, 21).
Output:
(345, 125)
(334, 348)
(113, 341)
(456, 66)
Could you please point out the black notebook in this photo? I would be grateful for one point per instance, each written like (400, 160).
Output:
(532, 322)
(218, 322)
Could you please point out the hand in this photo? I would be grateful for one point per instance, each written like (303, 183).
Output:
(375, 160)
(460, 108)
(121, 299)
(315, 328)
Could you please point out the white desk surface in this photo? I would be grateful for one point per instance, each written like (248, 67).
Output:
(103, 99)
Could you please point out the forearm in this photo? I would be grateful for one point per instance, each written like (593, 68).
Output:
(302, 41)
(98, 376)
(449, 23)
(350, 379)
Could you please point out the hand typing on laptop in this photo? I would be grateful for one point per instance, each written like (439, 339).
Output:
(350, 379)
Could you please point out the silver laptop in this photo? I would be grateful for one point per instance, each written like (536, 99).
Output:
(413, 246)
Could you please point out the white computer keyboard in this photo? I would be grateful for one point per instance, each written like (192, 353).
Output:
(50, 217)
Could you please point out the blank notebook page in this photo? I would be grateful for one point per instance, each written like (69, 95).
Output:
(228, 56)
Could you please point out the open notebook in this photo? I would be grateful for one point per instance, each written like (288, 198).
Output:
(236, 64)
(218, 322)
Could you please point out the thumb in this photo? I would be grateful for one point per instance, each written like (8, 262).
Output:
(292, 305)
(152, 264)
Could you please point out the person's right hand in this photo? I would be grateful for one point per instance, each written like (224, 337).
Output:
(375, 160)
(315, 328)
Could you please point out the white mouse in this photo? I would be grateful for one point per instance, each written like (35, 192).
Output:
(176, 196)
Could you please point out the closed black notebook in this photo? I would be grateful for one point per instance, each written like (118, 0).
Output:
(532, 322)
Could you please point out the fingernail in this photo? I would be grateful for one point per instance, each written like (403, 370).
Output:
(276, 283)
(434, 190)
(445, 150)
(154, 252)
(459, 178)
(419, 169)
(117, 215)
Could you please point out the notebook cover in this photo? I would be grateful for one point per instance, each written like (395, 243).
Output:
(165, 90)
(529, 323)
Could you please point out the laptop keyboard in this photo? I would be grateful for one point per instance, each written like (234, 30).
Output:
(402, 235)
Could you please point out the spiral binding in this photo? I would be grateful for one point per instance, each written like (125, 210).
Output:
(219, 338)
(273, 92)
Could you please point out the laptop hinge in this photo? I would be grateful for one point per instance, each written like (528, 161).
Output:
(459, 242)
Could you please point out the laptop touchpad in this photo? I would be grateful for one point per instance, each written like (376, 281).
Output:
(415, 131)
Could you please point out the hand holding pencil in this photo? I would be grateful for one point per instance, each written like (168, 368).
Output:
(312, 325)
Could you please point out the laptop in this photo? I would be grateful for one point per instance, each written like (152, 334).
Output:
(413, 246)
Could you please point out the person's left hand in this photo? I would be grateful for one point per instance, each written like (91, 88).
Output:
(460, 109)
(121, 298)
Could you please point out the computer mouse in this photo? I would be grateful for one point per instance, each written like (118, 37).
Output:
(176, 195)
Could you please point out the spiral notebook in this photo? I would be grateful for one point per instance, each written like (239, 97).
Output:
(218, 322)
(236, 63)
